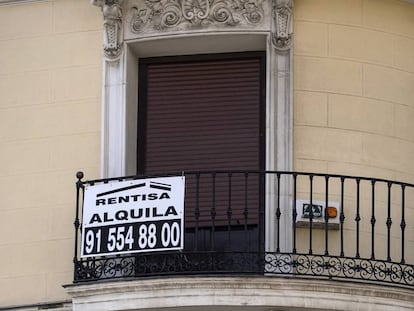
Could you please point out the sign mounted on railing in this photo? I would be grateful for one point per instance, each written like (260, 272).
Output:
(133, 216)
(317, 209)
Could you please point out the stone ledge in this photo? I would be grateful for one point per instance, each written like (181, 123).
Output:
(19, 1)
(256, 293)
(49, 306)
(4, 2)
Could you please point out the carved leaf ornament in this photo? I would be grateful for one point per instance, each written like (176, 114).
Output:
(163, 14)
(112, 25)
(282, 11)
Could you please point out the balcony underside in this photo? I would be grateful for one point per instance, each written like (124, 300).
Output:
(237, 293)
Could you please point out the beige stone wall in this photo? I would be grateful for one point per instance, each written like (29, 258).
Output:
(50, 86)
(354, 87)
(354, 102)
(353, 112)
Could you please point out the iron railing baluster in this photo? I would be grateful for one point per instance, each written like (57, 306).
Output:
(402, 224)
(310, 213)
(229, 208)
(76, 223)
(246, 209)
(197, 212)
(294, 212)
(278, 214)
(389, 223)
(357, 218)
(326, 214)
(213, 214)
(373, 219)
(342, 217)
(261, 175)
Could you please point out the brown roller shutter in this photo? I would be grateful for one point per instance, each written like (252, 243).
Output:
(205, 114)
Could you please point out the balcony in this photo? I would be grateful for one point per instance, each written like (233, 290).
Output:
(258, 223)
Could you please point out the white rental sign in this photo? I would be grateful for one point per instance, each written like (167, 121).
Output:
(133, 216)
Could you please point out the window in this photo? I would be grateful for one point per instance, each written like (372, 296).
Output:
(120, 97)
(206, 113)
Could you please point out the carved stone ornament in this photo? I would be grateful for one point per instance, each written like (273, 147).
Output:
(282, 12)
(164, 14)
(112, 25)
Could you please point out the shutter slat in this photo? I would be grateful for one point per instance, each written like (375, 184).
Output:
(205, 115)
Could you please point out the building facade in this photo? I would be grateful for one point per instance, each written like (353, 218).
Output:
(290, 120)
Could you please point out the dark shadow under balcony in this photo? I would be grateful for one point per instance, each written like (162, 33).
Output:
(276, 224)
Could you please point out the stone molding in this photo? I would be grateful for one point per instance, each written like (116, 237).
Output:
(160, 14)
(139, 18)
(112, 27)
(119, 96)
(282, 14)
(22, 1)
(50, 306)
(5, 2)
(249, 293)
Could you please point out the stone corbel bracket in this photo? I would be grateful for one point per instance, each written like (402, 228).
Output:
(282, 14)
(112, 26)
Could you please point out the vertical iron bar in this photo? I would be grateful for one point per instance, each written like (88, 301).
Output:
(76, 223)
(213, 212)
(326, 213)
(403, 224)
(246, 210)
(357, 219)
(373, 220)
(262, 202)
(197, 211)
(229, 210)
(342, 216)
(389, 223)
(90, 264)
(310, 214)
(278, 213)
(294, 212)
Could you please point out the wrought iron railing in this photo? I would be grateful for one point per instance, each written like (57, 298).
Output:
(317, 225)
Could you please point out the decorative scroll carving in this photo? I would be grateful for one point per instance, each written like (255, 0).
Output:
(112, 24)
(164, 14)
(282, 13)
(179, 263)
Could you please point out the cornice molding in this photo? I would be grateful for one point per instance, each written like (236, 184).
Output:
(161, 15)
(4, 2)
(7, 2)
(146, 17)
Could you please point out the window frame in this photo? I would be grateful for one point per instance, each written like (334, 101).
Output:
(119, 112)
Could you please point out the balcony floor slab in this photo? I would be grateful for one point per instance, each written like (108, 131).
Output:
(231, 293)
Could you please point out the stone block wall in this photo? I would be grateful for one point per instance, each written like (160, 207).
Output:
(354, 105)
(354, 87)
(50, 86)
